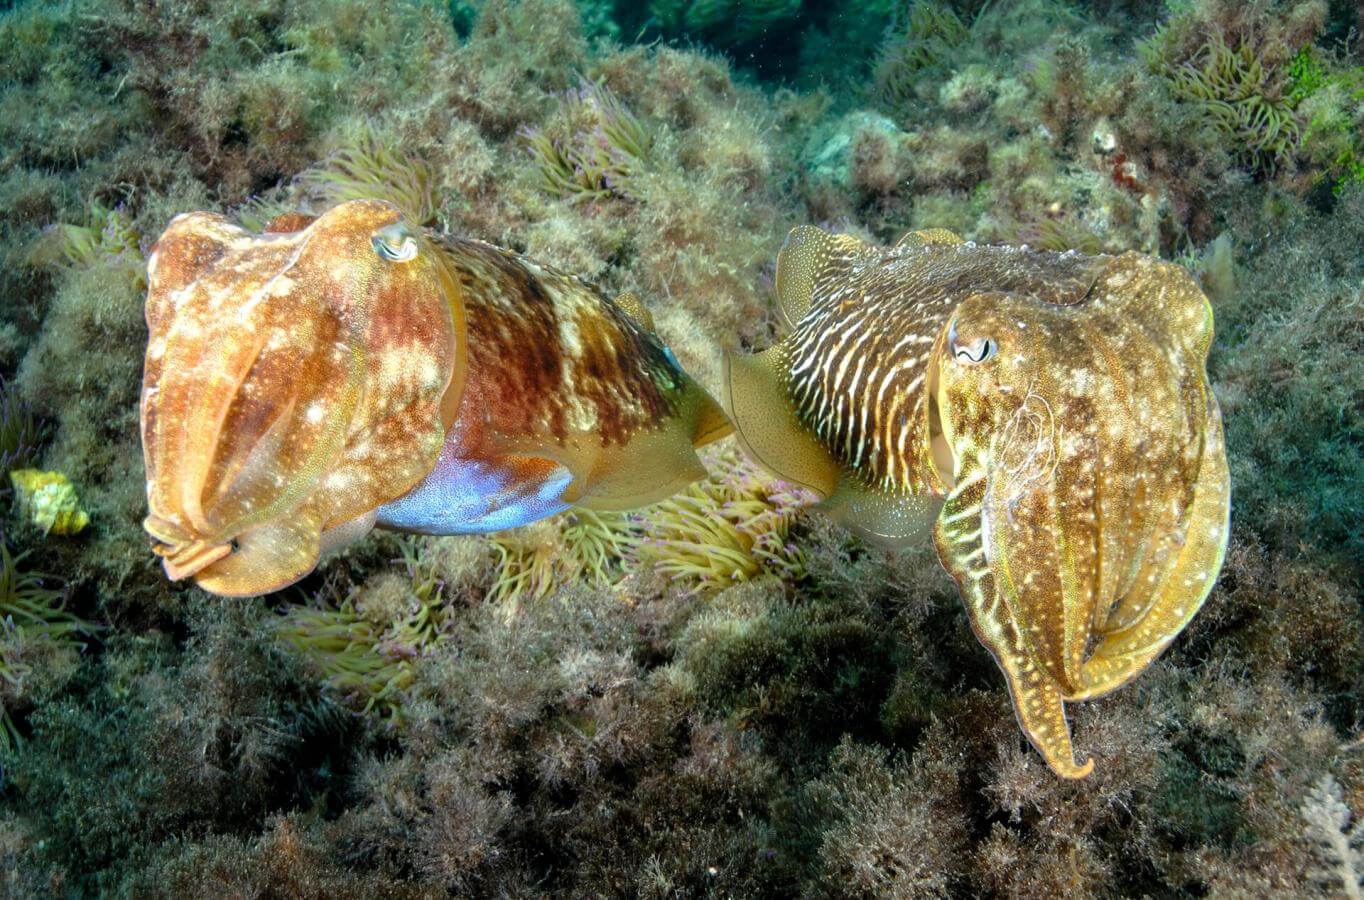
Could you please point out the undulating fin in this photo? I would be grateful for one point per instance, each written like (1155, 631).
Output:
(651, 465)
(629, 303)
(811, 259)
(285, 223)
(711, 422)
(881, 516)
(766, 424)
(929, 237)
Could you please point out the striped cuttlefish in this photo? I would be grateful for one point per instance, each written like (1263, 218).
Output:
(338, 373)
(1046, 415)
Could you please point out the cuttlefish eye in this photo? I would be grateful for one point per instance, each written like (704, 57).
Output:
(971, 353)
(394, 243)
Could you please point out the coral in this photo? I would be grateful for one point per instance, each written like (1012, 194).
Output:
(1337, 844)
(49, 501)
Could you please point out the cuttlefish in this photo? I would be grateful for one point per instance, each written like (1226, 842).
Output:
(1046, 415)
(338, 373)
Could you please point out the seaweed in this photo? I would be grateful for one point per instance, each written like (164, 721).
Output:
(722, 694)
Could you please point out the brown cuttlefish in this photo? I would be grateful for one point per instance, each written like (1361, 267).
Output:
(304, 385)
(1047, 415)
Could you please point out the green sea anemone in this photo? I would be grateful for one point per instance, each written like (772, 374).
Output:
(581, 545)
(728, 528)
(1242, 97)
(107, 239)
(368, 168)
(922, 37)
(21, 433)
(609, 147)
(35, 626)
(365, 645)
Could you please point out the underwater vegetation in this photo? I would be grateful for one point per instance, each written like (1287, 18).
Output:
(367, 168)
(724, 694)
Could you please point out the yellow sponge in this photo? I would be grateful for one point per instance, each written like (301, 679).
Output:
(49, 500)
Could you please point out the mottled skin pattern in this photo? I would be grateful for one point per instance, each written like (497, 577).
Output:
(1061, 405)
(303, 384)
(582, 366)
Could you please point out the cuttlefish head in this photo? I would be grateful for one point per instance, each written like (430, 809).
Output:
(294, 381)
(1087, 514)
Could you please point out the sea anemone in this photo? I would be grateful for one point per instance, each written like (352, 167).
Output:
(922, 37)
(368, 168)
(365, 645)
(34, 623)
(602, 154)
(1242, 97)
(107, 239)
(581, 545)
(728, 528)
(20, 431)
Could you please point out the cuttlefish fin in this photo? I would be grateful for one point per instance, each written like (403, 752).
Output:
(809, 260)
(629, 303)
(1129, 647)
(1037, 698)
(711, 424)
(881, 516)
(767, 426)
(651, 465)
(929, 237)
